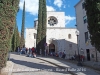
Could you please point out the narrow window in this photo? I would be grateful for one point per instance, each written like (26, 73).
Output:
(85, 19)
(69, 36)
(86, 37)
(83, 5)
(34, 35)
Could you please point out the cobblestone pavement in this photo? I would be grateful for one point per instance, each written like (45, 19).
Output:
(31, 66)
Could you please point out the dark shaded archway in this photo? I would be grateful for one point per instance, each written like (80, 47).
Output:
(51, 48)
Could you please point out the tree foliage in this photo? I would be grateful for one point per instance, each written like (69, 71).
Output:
(15, 39)
(92, 8)
(44, 27)
(8, 11)
(22, 40)
(41, 30)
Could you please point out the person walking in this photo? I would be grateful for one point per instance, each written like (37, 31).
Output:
(26, 50)
(23, 50)
(18, 50)
(30, 52)
(33, 51)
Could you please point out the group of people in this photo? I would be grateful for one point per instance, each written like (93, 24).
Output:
(58, 54)
(31, 52)
(78, 57)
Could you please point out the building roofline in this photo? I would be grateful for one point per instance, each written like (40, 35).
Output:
(78, 3)
(31, 28)
(56, 11)
(53, 11)
(61, 28)
(36, 20)
(56, 28)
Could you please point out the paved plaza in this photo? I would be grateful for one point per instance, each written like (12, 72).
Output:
(23, 65)
(32, 66)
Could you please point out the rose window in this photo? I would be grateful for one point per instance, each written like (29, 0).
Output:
(52, 21)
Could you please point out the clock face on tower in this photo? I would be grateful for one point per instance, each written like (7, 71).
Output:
(52, 21)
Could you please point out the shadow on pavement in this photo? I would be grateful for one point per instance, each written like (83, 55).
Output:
(86, 64)
(40, 66)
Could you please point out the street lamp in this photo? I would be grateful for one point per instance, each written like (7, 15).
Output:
(79, 62)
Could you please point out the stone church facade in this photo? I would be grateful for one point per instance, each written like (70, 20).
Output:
(58, 37)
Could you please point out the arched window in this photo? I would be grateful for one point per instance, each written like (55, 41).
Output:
(34, 35)
(69, 36)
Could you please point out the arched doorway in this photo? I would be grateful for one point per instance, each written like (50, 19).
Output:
(51, 48)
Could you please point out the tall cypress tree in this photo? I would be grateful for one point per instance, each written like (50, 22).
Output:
(17, 37)
(22, 41)
(44, 21)
(93, 16)
(39, 29)
(14, 41)
(8, 11)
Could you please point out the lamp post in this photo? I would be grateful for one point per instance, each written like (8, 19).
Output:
(79, 62)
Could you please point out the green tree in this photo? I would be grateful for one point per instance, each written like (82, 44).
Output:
(39, 28)
(92, 8)
(17, 38)
(22, 40)
(14, 41)
(8, 12)
(44, 27)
